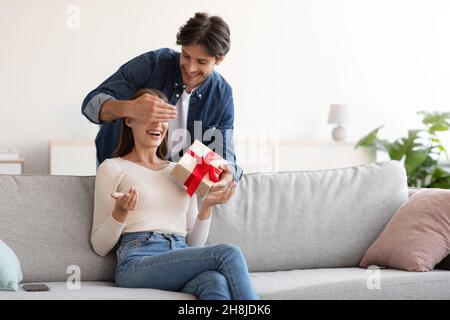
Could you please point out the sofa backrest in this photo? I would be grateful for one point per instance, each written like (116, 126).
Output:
(281, 221)
(47, 221)
(310, 219)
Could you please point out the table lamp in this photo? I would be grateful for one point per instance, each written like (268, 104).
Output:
(338, 114)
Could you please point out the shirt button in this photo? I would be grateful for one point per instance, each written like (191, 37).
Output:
(177, 95)
(199, 95)
(184, 86)
(176, 84)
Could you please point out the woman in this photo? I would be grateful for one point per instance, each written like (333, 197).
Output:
(158, 228)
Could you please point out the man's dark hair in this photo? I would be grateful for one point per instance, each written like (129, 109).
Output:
(212, 33)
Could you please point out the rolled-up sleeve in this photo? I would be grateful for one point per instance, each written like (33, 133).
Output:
(93, 107)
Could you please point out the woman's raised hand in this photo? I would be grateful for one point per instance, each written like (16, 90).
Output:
(126, 201)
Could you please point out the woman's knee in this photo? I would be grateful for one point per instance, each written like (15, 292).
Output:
(229, 251)
(210, 285)
(214, 278)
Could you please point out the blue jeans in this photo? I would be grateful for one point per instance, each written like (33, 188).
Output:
(164, 261)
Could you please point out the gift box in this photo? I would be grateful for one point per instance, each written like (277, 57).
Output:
(198, 169)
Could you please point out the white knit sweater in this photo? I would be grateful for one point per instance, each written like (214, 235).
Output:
(162, 206)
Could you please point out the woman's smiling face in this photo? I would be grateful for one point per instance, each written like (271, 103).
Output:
(147, 135)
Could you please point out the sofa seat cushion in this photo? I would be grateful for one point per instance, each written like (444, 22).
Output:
(92, 290)
(335, 283)
(351, 283)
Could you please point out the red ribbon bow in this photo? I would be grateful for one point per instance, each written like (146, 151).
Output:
(202, 167)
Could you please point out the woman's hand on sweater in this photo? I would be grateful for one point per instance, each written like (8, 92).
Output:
(125, 202)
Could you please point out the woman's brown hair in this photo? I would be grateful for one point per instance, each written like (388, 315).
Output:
(126, 141)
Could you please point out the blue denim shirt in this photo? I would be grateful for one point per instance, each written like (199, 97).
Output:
(211, 109)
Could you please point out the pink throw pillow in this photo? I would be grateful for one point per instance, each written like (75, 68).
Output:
(417, 237)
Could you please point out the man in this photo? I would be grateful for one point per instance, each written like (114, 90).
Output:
(203, 100)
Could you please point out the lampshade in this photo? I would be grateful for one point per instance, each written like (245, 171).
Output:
(338, 114)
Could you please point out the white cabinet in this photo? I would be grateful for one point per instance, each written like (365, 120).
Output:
(300, 155)
(11, 166)
(11, 161)
(73, 157)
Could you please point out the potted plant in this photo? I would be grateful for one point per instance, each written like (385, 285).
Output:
(420, 151)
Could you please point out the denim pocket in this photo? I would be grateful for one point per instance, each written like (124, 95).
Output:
(129, 248)
(130, 243)
(134, 240)
(155, 238)
(180, 241)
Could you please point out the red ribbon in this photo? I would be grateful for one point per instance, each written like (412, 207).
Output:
(202, 167)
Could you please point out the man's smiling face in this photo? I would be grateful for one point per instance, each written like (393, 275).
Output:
(196, 65)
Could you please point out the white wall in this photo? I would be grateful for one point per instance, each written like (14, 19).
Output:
(385, 59)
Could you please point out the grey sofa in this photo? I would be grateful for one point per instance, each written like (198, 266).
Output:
(302, 233)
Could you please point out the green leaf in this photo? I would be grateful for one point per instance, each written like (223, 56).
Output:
(402, 146)
(397, 149)
(420, 162)
(436, 121)
(440, 148)
(443, 183)
(434, 117)
(371, 140)
(439, 127)
(441, 172)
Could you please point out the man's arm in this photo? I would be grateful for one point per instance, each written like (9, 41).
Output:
(226, 128)
(113, 109)
(109, 101)
(230, 155)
